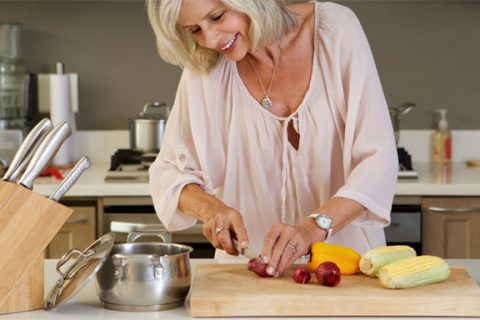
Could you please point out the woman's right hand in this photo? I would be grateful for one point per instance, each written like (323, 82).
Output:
(220, 225)
(220, 222)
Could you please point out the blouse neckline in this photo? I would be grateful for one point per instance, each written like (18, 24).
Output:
(306, 97)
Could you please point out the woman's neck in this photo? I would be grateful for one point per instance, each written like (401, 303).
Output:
(267, 55)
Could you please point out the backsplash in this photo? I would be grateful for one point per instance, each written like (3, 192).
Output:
(426, 52)
(100, 145)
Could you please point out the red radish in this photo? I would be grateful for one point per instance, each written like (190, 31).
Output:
(259, 268)
(328, 274)
(301, 275)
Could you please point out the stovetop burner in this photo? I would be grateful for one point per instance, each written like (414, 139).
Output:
(127, 157)
(129, 166)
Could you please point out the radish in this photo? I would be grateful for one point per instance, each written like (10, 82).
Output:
(328, 274)
(301, 275)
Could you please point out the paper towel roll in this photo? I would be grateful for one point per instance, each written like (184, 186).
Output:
(61, 110)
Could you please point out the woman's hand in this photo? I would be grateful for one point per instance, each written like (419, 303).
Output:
(221, 225)
(220, 222)
(286, 243)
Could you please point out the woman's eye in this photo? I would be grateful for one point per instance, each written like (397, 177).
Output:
(195, 30)
(218, 16)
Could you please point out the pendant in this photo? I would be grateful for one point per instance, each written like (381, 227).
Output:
(266, 103)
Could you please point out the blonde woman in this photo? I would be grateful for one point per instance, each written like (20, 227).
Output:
(280, 134)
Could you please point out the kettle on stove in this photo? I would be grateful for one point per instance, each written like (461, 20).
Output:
(396, 113)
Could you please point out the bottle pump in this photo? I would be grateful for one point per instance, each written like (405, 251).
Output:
(442, 140)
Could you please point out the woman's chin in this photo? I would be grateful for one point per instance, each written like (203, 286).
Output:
(235, 57)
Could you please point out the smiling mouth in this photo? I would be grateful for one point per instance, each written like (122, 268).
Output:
(230, 43)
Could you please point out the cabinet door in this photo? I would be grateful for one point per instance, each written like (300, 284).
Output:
(451, 227)
(77, 232)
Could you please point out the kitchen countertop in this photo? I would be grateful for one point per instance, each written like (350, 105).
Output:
(457, 180)
(86, 305)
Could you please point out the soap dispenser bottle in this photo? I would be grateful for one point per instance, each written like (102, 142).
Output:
(442, 140)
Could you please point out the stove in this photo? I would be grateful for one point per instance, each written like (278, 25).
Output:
(406, 170)
(132, 166)
(129, 166)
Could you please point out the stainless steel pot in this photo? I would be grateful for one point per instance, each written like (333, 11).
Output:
(146, 130)
(137, 276)
(146, 276)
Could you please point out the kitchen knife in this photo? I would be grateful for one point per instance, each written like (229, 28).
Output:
(27, 148)
(44, 154)
(81, 165)
(246, 252)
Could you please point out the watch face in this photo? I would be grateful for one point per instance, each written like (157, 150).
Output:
(324, 222)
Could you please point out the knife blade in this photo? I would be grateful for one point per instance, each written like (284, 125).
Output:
(27, 149)
(246, 252)
(44, 154)
(81, 165)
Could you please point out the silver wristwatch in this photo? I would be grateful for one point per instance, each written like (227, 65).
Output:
(323, 222)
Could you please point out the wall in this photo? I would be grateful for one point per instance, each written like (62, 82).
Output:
(426, 52)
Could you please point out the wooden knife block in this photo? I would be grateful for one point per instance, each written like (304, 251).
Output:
(28, 222)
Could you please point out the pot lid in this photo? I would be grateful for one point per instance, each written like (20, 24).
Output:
(82, 267)
(162, 111)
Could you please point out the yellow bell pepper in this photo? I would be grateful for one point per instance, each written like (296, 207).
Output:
(345, 258)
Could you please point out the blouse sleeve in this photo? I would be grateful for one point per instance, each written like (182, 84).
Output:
(370, 157)
(178, 162)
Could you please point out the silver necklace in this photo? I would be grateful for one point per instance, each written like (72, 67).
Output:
(266, 102)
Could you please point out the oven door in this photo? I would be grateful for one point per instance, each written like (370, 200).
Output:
(405, 227)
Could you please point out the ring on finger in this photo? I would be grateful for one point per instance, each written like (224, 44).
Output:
(292, 247)
(219, 229)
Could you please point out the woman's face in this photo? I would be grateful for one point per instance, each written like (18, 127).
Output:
(215, 26)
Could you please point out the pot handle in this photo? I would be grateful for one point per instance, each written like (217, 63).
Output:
(155, 104)
(137, 230)
(162, 234)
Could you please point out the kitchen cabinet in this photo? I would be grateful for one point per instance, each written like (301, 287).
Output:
(77, 232)
(451, 227)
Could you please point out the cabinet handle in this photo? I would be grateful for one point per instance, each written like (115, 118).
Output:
(442, 209)
(77, 220)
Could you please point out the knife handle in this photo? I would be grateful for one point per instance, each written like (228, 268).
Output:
(27, 148)
(82, 165)
(44, 154)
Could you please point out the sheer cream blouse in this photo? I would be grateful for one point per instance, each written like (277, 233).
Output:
(219, 137)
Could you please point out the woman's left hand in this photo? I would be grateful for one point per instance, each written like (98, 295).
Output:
(284, 244)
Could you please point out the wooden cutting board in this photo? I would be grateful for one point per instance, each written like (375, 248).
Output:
(224, 290)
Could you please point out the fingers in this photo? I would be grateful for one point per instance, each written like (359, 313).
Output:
(282, 246)
(294, 249)
(240, 231)
(220, 229)
(225, 240)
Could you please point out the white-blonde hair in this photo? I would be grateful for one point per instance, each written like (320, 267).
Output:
(269, 21)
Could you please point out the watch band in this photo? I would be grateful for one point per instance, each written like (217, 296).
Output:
(328, 229)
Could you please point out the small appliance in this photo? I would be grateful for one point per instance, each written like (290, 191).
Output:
(15, 110)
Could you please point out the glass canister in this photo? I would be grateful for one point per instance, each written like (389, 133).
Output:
(14, 79)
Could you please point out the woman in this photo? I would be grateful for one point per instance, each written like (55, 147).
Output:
(280, 134)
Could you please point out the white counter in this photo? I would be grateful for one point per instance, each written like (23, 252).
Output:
(459, 180)
(86, 305)
(454, 180)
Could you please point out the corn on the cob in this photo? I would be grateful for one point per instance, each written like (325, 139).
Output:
(374, 259)
(413, 272)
